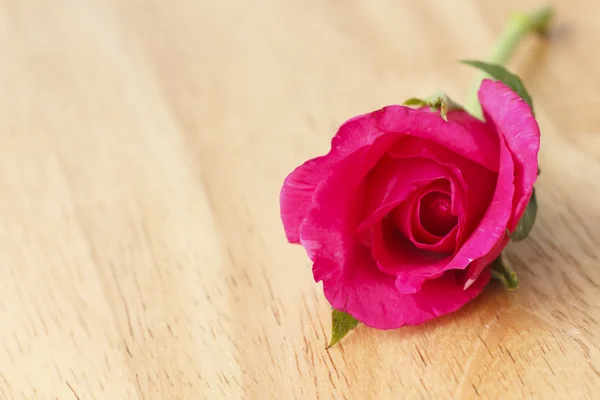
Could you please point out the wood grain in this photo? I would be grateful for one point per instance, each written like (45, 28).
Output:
(143, 145)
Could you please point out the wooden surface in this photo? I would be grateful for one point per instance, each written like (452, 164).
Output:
(142, 149)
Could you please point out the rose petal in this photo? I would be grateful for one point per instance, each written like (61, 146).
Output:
(299, 186)
(481, 129)
(514, 120)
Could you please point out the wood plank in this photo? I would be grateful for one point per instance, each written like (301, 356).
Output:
(144, 144)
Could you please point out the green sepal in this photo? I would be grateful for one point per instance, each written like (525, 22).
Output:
(439, 101)
(503, 272)
(527, 221)
(341, 324)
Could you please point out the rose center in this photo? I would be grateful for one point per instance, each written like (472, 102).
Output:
(436, 215)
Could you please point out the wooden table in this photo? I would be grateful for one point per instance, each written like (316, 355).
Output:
(143, 146)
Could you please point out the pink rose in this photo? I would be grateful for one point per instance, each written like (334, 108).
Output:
(405, 213)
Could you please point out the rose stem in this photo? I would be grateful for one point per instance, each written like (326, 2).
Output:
(519, 25)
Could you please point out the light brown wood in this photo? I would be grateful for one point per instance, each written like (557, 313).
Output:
(143, 145)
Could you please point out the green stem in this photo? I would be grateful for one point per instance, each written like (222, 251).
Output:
(519, 26)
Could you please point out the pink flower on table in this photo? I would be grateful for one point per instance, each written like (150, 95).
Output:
(406, 212)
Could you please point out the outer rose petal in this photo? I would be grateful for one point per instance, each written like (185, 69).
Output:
(328, 233)
(296, 194)
(299, 186)
(514, 120)
(372, 297)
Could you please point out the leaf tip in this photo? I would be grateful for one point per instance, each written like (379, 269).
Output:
(341, 324)
(499, 73)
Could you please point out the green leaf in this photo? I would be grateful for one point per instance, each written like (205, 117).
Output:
(500, 73)
(341, 325)
(439, 101)
(502, 271)
(526, 222)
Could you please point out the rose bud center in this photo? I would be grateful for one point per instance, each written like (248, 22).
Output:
(435, 214)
